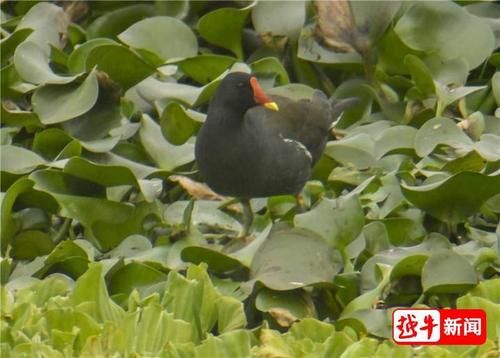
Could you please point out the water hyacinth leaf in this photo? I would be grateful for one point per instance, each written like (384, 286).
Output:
(447, 272)
(205, 213)
(48, 21)
(107, 221)
(488, 147)
(223, 27)
(216, 260)
(50, 142)
(338, 221)
(59, 103)
(450, 24)
(114, 22)
(268, 19)
(32, 64)
(134, 275)
(176, 124)
(295, 91)
(165, 155)
(120, 63)
(77, 60)
(368, 299)
(471, 162)
(29, 244)
(178, 39)
(490, 14)
(9, 44)
(285, 307)
(271, 65)
(18, 160)
(19, 118)
(205, 67)
(404, 231)
(357, 151)
(395, 138)
(152, 89)
(105, 175)
(439, 130)
(10, 224)
(454, 199)
(446, 95)
(411, 265)
(420, 75)
(293, 258)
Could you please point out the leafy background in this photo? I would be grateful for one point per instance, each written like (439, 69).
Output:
(111, 244)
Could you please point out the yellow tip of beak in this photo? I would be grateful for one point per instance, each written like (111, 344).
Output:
(272, 106)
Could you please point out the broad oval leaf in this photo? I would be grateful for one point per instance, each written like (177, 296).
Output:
(177, 39)
(454, 199)
(59, 103)
(292, 258)
(447, 272)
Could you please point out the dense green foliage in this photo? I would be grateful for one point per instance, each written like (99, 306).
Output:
(110, 244)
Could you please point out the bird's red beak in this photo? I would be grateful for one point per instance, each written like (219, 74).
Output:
(260, 97)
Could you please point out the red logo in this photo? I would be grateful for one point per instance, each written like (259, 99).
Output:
(432, 326)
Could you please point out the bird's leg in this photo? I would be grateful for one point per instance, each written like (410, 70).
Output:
(301, 206)
(247, 217)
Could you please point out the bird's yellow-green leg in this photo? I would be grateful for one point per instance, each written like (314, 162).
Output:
(247, 217)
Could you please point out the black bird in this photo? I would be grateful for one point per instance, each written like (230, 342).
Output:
(252, 145)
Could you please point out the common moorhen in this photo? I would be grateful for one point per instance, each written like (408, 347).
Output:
(252, 145)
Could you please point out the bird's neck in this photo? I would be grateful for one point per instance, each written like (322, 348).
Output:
(226, 113)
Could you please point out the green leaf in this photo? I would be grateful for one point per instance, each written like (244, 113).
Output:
(167, 156)
(293, 258)
(338, 221)
(420, 74)
(447, 272)
(205, 68)
(132, 276)
(223, 27)
(177, 40)
(440, 130)
(295, 91)
(120, 63)
(178, 124)
(32, 64)
(447, 29)
(9, 44)
(48, 21)
(271, 65)
(285, 307)
(59, 103)
(31, 243)
(19, 118)
(395, 139)
(50, 142)
(91, 290)
(231, 344)
(284, 18)
(368, 299)
(77, 60)
(404, 231)
(353, 151)
(454, 199)
(18, 160)
(488, 147)
(113, 22)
